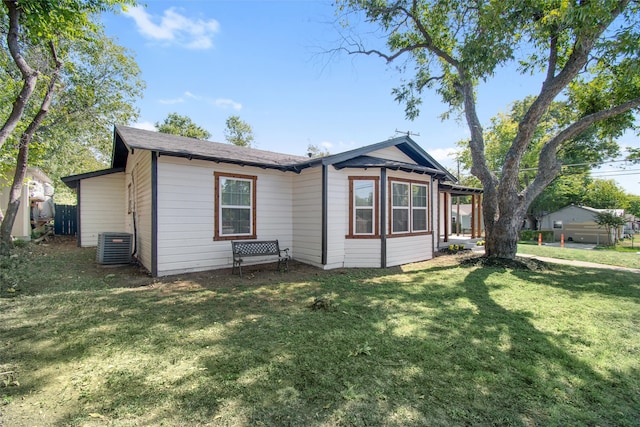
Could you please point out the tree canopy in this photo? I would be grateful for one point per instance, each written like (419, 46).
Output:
(55, 90)
(610, 222)
(176, 124)
(317, 151)
(238, 132)
(586, 54)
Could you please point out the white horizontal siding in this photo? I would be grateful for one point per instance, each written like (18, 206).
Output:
(345, 252)
(102, 207)
(403, 250)
(337, 216)
(275, 207)
(139, 176)
(186, 213)
(392, 153)
(22, 224)
(307, 216)
(362, 253)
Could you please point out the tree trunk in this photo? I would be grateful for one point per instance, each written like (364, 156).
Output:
(504, 212)
(23, 158)
(14, 199)
(502, 240)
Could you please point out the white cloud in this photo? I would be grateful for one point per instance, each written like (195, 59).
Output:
(171, 101)
(326, 144)
(175, 28)
(144, 125)
(227, 103)
(443, 154)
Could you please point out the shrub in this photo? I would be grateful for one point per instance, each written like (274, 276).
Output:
(532, 235)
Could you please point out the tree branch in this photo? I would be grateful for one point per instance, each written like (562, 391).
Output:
(29, 75)
(551, 88)
(549, 167)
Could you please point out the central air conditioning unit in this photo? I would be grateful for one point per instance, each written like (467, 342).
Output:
(114, 248)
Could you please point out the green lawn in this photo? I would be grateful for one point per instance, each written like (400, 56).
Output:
(601, 256)
(432, 344)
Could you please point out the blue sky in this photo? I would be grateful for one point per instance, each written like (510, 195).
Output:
(269, 63)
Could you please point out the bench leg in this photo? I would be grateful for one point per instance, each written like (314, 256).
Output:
(237, 264)
(283, 262)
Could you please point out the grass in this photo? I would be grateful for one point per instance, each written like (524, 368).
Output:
(600, 256)
(430, 344)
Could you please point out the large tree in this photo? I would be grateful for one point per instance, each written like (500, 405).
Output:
(175, 124)
(238, 132)
(605, 194)
(585, 52)
(38, 40)
(578, 155)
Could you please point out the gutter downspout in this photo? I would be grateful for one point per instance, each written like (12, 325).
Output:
(78, 213)
(383, 218)
(435, 236)
(154, 214)
(325, 213)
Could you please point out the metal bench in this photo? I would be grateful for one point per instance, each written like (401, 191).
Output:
(256, 248)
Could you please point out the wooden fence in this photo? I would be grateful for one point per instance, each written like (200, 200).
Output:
(66, 220)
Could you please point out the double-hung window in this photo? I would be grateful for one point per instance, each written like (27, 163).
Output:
(409, 207)
(235, 206)
(363, 216)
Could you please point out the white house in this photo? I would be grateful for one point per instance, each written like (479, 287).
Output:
(184, 200)
(37, 190)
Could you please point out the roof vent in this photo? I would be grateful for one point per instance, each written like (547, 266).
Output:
(114, 248)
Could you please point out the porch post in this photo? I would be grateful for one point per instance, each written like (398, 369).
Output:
(473, 216)
(383, 218)
(457, 215)
(479, 216)
(446, 216)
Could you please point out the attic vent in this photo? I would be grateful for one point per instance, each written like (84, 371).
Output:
(114, 248)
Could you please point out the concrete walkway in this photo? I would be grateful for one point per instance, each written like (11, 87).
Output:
(468, 242)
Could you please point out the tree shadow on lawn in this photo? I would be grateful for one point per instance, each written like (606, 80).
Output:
(582, 280)
(426, 347)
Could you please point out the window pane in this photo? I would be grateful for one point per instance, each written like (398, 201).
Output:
(400, 194)
(235, 192)
(364, 221)
(236, 221)
(419, 196)
(419, 220)
(400, 222)
(363, 193)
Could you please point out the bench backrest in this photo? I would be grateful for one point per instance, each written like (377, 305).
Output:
(270, 247)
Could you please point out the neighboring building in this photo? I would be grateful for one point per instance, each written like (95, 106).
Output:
(184, 200)
(466, 216)
(37, 189)
(631, 225)
(578, 224)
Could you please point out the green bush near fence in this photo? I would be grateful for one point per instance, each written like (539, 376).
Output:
(532, 235)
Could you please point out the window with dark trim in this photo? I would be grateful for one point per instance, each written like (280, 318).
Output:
(235, 206)
(409, 207)
(363, 207)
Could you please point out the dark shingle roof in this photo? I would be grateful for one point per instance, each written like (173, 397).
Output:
(375, 162)
(127, 138)
(192, 148)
